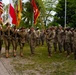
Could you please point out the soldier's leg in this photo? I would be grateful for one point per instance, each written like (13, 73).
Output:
(55, 46)
(21, 49)
(64, 46)
(71, 46)
(39, 40)
(60, 47)
(6, 51)
(0, 47)
(6, 48)
(74, 52)
(1, 42)
(15, 49)
(49, 49)
(14, 44)
(42, 41)
(68, 48)
(32, 47)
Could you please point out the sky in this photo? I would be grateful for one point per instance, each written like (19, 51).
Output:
(7, 1)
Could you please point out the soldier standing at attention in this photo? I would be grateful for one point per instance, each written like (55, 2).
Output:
(7, 39)
(55, 31)
(38, 38)
(67, 41)
(60, 38)
(71, 39)
(74, 43)
(42, 36)
(49, 40)
(1, 37)
(32, 39)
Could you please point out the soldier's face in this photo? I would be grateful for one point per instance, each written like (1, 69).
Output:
(9, 27)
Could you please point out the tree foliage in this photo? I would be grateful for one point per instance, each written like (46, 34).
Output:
(27, 13)
(70, 12)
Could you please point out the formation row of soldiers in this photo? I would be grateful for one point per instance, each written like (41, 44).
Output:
(12, 36)
(62, 39)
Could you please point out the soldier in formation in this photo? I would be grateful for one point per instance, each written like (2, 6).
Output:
(1, 38)
(14, 41)
(22, 38)
(32, 40)
(49, 40)
(62, 39)
(7, 39)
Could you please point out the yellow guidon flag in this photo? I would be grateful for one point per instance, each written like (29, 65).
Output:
(18, 11)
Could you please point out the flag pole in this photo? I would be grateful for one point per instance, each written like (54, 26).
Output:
(32, 19)
(65, 13)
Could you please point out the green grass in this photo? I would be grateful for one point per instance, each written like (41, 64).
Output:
(40, 63)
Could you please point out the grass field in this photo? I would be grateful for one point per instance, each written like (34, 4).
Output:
(41, 64)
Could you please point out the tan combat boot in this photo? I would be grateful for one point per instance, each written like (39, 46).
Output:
(14, 53)
(21, 54)
(7, 54)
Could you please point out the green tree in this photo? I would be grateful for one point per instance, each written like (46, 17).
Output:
(50, 6)
(71, 13)
(27, 13)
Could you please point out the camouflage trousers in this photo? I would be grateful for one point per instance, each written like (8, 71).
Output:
(74, 49)
(14, 45)
(1, 42)
(32, 46)
(7, 43)
(67, 47)
(49, 46)
(21, 44)
(55, 46)
(60, 46)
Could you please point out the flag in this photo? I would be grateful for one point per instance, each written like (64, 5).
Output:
(19, 10)
(1, 10)
(35, 10)
(12, 14)
(1, 7)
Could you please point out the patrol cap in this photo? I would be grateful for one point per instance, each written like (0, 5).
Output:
(32, 28)
(68, 28)
(8, 24)
(37, 28)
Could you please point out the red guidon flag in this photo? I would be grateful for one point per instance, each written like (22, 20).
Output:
(1, 7)
(35, 10)
(12, 14)
(1, 10)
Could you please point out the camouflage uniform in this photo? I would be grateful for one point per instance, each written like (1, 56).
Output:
(60, 39)
(32, 40)
(14, 41)
(55, 39)
(42, 37)
(1, 37)
(74, 44)
(49, 40)
(64, 43)
(38, 38)
(67, 41)
(7, 39)
(71, 40)
(21, 40)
